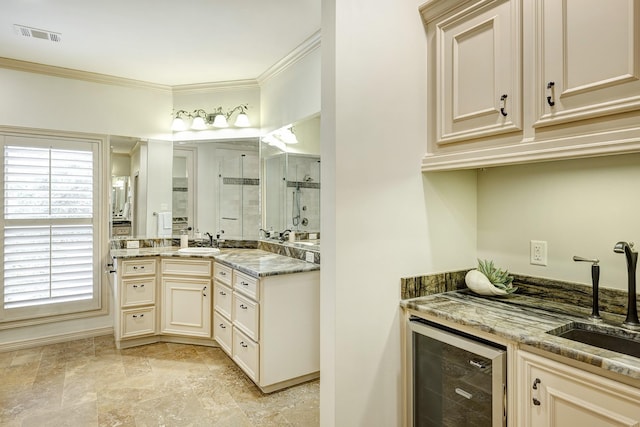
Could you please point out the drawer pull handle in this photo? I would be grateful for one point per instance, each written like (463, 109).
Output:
(535, 383)
(244, 307)
(478, 364)
(223, 293)
(222, 326)
(222, 273)
(463, 393)
(503, 102)
(536, 402)
(135, 316)
(135, 286)
(243, 344)
(244, 283)
(203, 291)
(135, 267)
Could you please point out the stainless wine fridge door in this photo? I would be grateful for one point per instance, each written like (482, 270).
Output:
(455, 381)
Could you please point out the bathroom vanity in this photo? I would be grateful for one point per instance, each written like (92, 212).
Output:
(261, 308)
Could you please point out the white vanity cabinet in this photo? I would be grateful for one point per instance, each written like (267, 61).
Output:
(186, 297)
(223, 303)
(273, 331)
(514, 81)
(554, 394)
(135, 299)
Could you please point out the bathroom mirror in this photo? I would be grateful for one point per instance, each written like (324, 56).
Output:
(216, 188)
(292, 181)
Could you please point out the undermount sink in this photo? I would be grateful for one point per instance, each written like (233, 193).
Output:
(601, 336)
(199, 251)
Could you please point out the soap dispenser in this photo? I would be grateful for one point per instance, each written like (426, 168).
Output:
(184, 239)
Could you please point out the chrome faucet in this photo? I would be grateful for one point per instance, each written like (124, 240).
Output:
(631, 321)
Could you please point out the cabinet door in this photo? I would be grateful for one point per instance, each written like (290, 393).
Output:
(477, 71)
(589, 56)
(554, 394)
(186, 306)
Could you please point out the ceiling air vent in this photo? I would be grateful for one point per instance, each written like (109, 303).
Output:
(37, 34)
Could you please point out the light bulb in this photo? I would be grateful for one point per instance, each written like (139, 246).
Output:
(242, 121)
(198, 123)
(178, 124)
(220, 121)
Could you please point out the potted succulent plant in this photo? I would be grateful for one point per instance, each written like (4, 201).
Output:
(487, 279)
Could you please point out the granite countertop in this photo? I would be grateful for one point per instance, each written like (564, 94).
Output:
(254, 262)
(525, 320)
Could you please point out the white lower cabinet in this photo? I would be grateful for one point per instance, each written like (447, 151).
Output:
(137, 322)
(135, 301)
(186, 301)
(222, 332)
(554, 394)
(246, 353)
(275, 325)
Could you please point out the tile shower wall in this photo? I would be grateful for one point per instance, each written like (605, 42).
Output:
(238, 193)
(302, 195)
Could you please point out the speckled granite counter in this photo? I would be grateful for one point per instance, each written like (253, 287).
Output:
(525, 320)
(254, 262)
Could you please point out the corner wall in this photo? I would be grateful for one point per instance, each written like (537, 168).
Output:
(381, 218)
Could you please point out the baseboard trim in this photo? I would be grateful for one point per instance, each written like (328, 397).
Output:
(55, 339)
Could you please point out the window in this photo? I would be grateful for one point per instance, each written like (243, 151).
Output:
(50, 229)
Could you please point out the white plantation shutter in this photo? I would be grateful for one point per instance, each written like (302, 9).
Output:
(49, 228)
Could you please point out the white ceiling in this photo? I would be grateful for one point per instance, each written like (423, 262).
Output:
(160, 41)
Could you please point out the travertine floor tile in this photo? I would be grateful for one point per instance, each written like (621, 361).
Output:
(91, 383)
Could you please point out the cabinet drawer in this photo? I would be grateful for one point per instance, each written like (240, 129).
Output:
(222, 273)
(186, 267)
(245, 315)
(245, 284)
(223, 299)
(138, 267)
(138, 322)
(246, 354)
(223, 332)
(138, 291)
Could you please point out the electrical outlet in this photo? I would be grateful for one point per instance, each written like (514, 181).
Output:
(133, 244)
(309, 256)
(538, 252)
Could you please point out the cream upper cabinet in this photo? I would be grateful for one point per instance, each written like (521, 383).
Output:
(516, 81)
(588, 58)
(554, 394)
(475, 71)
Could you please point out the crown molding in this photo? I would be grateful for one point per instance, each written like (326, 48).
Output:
(306, 47)
(69, 73)
(215, 86)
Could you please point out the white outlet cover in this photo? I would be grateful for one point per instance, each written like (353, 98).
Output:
(309, 256)
(133, 244)
(538, 252)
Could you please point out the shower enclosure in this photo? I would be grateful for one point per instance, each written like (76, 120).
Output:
(292, 192)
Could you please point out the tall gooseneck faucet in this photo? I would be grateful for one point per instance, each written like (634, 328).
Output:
(631, 321)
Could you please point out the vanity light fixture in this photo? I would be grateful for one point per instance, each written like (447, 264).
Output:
(281, 137)
(201, 120)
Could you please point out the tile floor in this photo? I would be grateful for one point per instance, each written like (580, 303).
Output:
(91, 383)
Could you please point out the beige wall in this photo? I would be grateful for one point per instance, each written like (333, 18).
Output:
(381, 218)
(580, 207)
